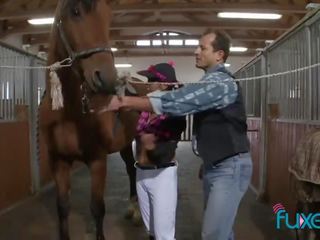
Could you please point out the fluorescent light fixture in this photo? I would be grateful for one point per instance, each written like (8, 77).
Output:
(41, 21)
(191, 42)
(268, 41)
(238, 49)
(143, 43)
(113, 49)
(123, 65)
(176, 42)
(311, 6)
(259, 49)
(243, 15)
(227, 64)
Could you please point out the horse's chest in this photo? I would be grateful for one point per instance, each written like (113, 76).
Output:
(67, 138)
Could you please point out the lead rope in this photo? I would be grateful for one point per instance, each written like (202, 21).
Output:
(55, 83)
(55, 90)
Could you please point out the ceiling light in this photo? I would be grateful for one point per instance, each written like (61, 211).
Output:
(311, 6)
(41, 21)
(243, 15)
(123, 65)
(113, 49)
(238, 49)
(191, 42)
(227, 64)
(268, 41)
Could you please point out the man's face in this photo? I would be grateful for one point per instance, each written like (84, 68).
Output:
(206, 56)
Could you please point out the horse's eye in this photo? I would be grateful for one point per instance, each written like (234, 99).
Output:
(76, 12)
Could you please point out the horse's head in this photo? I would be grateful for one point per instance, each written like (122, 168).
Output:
(83, 32)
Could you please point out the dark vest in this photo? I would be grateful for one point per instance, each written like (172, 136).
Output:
(221, 133)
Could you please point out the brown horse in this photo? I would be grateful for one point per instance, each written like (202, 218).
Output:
(81, 33)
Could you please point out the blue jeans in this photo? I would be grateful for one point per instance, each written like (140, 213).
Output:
(224, 185)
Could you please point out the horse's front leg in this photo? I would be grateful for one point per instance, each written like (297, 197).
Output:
(61, 172)
(98, 179)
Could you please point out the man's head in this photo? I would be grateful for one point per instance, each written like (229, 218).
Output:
(213, 49)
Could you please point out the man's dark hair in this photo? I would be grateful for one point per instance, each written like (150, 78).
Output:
(221, 42)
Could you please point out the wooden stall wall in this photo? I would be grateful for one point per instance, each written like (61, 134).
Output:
(254, 138)
(15, 173)
(283, 138)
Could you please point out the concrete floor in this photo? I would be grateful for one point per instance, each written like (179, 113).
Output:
(35, 218)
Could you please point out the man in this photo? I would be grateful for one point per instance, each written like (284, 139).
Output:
(220, 129)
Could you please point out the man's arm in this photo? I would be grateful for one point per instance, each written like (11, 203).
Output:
(136, 103)
(216, 90)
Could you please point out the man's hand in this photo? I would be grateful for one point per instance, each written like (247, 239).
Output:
(114, 104)
(127, 103)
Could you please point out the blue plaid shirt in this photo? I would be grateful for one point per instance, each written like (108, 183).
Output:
(220, 91)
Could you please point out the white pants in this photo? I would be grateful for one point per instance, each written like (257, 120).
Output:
(157, 195)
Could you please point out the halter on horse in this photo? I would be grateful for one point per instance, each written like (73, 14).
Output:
(81, 37)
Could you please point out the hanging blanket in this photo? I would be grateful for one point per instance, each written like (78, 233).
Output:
(305, 168)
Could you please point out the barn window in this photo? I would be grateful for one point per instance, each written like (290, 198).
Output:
(168, 39)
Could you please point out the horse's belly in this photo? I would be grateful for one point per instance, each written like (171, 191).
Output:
(66, 138)
(119, 141)
(117, 131)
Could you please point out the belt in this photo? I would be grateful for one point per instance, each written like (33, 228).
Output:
(158, 166)
(215, 163)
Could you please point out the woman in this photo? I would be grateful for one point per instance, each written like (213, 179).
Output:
(157, 140)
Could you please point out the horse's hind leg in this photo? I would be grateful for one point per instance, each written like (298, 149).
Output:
(98, 178)
(61, 172)
(127, 155)
(133, 209)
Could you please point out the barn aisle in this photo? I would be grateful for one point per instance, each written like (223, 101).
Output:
(35, 219)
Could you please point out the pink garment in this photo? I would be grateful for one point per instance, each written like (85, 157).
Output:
(147, 125)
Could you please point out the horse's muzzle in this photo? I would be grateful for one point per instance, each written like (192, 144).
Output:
(101, 83)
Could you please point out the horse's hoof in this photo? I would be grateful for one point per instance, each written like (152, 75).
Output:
(90, 236)
(130, 212)
(131, 208)
(137, 218)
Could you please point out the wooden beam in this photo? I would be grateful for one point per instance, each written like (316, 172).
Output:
(244, 25)
(170, 54)
(191, 7)
(157, 53)
(167, 7)
(44, 37)
(25, 28)
(251, 46)
(21, 13)
(35, 38)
